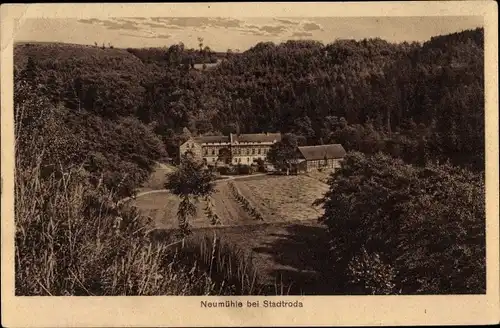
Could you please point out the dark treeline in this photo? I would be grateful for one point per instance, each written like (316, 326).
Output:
(415, 101)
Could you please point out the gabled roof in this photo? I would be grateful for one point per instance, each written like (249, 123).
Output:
(257, 137)
(206, 139)
(313, 153)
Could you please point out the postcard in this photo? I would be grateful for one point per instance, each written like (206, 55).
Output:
(249, 164)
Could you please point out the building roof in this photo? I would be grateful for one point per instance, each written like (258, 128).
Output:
(256, 137)
(252, 137)
(313, 153)
(206, 139)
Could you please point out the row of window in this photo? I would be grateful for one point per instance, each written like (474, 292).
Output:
(239, 160)
(249, 151)
(330, 163)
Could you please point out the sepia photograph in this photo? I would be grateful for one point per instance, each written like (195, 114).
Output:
(219, 155)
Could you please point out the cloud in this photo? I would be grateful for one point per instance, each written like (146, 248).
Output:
(126, 20)
(286, 21)
(119, 24)
(311, 27)
(252, 27)
(162, 36)
(89, 21)
(154, 36)
(273, 29)
(302, 34)
(252, 32)
(154, 24)
(225, 22)
(265, 30)
(198, 22)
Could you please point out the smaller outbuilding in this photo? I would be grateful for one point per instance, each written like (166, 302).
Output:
(319, 157)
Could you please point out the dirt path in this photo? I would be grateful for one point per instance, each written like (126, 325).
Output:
(147, 192)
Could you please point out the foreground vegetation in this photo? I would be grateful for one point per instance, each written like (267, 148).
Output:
(397, 228)
(73, 236)
(72, 239)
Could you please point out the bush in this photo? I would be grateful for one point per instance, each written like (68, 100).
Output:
(245, 169)
(223, 170)
(247, 206)
(429, 222)
(371, 275)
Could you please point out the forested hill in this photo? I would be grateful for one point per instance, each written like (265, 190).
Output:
(416, 101)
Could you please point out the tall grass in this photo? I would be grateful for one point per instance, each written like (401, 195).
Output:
(72, 239)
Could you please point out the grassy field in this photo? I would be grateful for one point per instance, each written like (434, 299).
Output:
(321, 176)
(162, 208)
(287, 248)
(278, 198)
(157, 178)
(288, 255)
(283, 198)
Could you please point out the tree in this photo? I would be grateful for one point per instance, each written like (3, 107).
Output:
(190, 182)
(303, 127)
(283, 153)
(30, 72)
(230, 128)
(429, 225)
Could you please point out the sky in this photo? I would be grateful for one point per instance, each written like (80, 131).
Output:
(240, 34)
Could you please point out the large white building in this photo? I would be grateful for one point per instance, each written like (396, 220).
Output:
(233, 149)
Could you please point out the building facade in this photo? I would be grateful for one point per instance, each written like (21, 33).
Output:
(319, 157)
(233, 149)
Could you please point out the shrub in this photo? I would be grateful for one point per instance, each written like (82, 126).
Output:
(247, 206)
(371, 275)
(429, 222)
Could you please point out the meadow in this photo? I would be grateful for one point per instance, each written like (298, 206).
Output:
(278, 198)
(283, 198)
(286, 248)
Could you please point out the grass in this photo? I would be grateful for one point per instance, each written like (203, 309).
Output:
(289, 256)
(162, 209)
(283, 198)
(321, 176)
(158, 178)
(288, 252)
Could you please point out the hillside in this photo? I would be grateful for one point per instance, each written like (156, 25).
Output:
(415, 101)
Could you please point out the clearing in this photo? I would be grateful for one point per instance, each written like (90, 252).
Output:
(289, 247)
(283, 198)
(322, 176)
(162, 206)
(158, 178)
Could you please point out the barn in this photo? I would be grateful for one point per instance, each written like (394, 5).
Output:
(319, 157)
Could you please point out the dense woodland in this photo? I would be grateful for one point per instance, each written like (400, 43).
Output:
(419, 102)
(112, 113)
